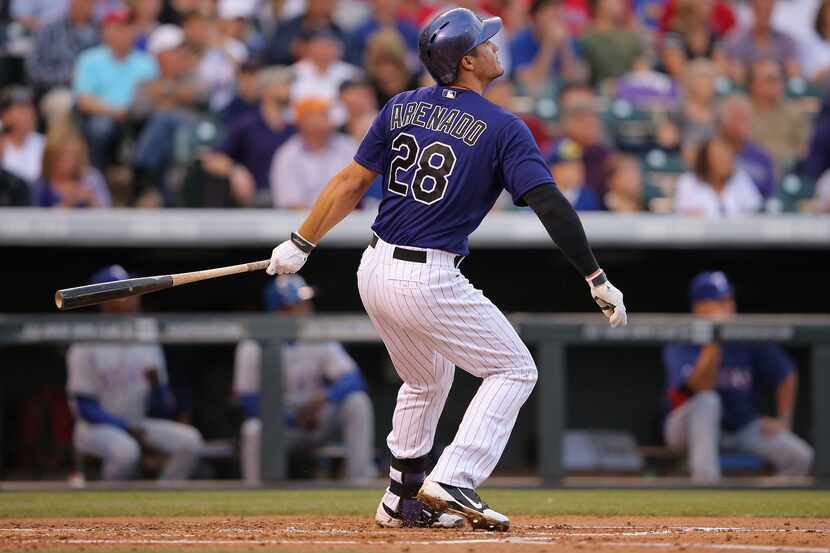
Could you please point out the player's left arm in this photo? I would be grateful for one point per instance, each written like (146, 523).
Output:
(338, 199)
(528, 179)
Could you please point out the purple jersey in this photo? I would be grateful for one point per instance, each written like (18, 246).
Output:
(445, 155)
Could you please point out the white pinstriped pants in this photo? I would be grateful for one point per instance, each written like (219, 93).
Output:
(432, 319)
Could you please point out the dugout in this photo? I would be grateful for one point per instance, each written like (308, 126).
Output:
(772, 263)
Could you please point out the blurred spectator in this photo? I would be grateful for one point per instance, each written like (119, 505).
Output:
(609, 46)
(818, 156)
(169, 102)
(121, 399)
(627, 192)
(565, 160)
(232, 27)
(14, 191)
(678, 15)
(285, 45)
(735, 126)
(34, 14)
(246, 154)
(386, 66)
(386, 15)
(58, 45)
(324, 393)
(106, 80)
(699, 112)
(21, 147)
(147, 13)
(304, 164)
(648, 90)
(698, 23)
(717, 187)
(711, 391)
(580, 122)
(502, 93)
(544, 52)
(321, 71)
(778, 126)
(358, 99)
(217, 63)
(814, 48)
(67, 178)
(760, 41)
(673, 59)
(247, 93)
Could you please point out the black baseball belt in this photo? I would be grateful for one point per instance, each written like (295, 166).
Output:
(413, 256)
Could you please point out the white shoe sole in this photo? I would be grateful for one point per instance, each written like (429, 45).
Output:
(434, 495)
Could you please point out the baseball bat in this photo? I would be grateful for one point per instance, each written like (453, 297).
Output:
(83, 296)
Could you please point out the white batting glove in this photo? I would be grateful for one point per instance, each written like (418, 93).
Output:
(290, 256)
(609, 299)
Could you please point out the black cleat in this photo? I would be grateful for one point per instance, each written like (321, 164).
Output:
(411, 513)
(464, 502)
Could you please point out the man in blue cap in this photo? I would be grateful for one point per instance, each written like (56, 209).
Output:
(119, 394)
(711, 391)
(323, 391)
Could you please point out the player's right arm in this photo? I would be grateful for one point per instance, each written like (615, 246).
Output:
(527, 177)
(338, 199)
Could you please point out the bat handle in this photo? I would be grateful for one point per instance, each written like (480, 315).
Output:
(259, 265)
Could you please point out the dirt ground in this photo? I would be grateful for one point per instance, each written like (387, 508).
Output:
(567, 534)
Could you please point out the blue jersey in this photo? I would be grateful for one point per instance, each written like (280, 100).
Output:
(445, 155)
(741, 364)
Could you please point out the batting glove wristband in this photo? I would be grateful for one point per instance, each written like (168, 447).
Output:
(290, 256)
(608, 298)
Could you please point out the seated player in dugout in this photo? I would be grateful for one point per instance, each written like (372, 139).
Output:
(324, 394)
(711, 391)
(120, 397)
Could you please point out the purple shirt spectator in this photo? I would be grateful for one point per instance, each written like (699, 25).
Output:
(649, 90)
(818, 160)
(742, 47)
(756, 162)
(252, 143)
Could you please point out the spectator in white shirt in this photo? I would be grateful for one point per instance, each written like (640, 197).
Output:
(305, 163)
(716, 187)
(321, 71)
(21, 148)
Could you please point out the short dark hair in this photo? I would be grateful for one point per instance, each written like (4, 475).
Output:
(537, 5)
(821, 13)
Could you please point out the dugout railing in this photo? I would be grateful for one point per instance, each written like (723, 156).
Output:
(548, 335)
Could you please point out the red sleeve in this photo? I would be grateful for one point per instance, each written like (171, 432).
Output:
(723, 18)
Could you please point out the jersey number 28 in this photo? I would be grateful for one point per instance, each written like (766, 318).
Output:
(435, 164)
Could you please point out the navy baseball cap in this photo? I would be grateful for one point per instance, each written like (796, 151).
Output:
(711, 285)
(109, 274)
(286, 290)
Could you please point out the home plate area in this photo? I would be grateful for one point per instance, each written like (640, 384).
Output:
(293, 533)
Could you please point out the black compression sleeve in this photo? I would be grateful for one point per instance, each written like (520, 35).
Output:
(563, 226)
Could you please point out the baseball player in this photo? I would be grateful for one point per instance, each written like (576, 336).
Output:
(325, 394)
(711, 391)
(446, 153)
(119, 395)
